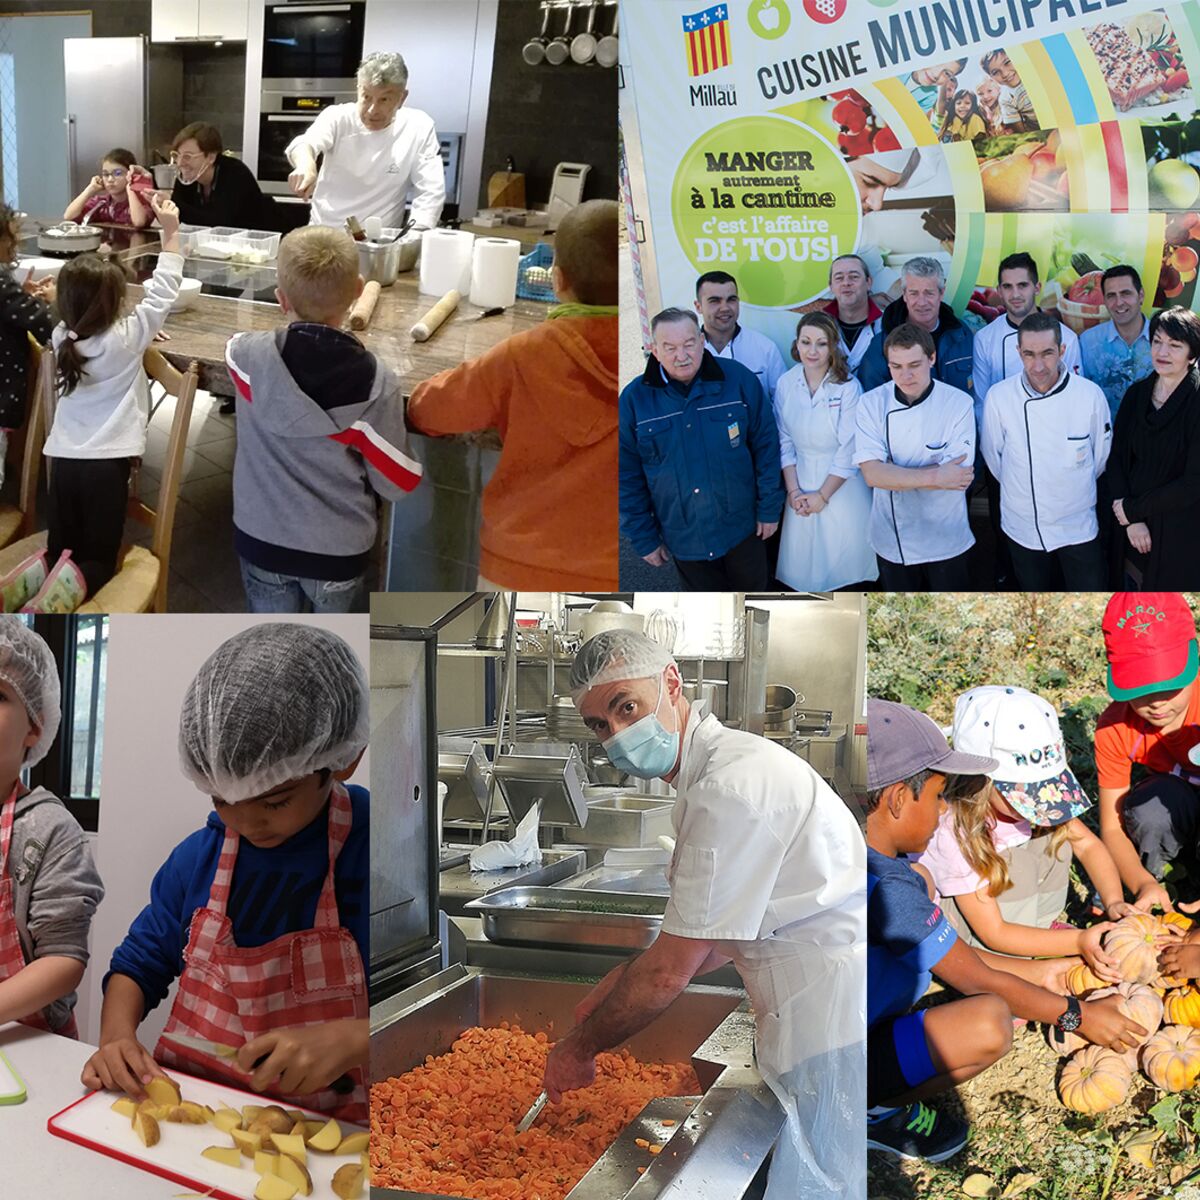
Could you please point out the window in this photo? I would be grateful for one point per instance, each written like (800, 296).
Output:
(72, 768)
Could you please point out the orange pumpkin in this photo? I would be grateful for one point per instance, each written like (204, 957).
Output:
(1182, 1007)
(1094, 1080)
(1171, 1058)
(1081, 979)
(1133, 943)
(1139, 1002)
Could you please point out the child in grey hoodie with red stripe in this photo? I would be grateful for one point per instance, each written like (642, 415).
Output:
(321, 438)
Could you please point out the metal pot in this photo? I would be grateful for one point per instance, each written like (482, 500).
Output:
(382, 261)
(611, 614)
(69, 238)
(780, 708)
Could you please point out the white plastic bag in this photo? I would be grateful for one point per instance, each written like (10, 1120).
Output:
(522, 850)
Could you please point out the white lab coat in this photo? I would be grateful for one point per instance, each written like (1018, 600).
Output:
(756, 352)
(997, 357)
(1047, 452)
(368, 173)
(769, 866)
(922, 525)
(816, 436)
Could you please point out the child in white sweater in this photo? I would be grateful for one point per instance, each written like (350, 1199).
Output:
(100, 423)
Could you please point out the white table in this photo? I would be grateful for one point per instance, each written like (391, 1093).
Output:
(36, 1162)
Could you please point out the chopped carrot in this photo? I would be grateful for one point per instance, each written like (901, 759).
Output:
(641, 1170)
(668, 1122)
(656, 1149)
(641, 1142)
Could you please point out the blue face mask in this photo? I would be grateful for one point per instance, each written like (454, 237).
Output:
(646, 748)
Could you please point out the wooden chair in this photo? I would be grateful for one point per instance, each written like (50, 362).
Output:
(140, 584)
(25, 445)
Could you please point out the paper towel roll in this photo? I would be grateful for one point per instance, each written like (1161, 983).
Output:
(494, 263)
(445, 261)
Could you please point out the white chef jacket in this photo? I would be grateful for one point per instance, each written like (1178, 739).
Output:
(367, 173)
(997, 357)
(761, 840)
(1047, 452)
(924, 524)
(769, 865)
(756, 352)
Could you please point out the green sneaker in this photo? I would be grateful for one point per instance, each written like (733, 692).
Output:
(918, 1131)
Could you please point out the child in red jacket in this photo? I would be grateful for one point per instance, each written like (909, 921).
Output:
(550, 510)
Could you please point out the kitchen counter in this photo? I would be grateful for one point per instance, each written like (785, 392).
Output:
(433, 534)
(48, 1165)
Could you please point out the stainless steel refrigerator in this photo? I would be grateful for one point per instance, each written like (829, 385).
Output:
(120, 91)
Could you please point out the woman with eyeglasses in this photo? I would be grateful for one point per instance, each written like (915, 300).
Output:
(214, 188)
(118, 195)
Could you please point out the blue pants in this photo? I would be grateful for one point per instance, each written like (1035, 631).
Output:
(1162, 818)
(270, 592)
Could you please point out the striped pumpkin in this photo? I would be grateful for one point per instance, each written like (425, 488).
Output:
(1094, 1079)
(1171, 1058)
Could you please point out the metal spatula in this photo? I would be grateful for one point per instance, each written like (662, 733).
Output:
(532, 1115)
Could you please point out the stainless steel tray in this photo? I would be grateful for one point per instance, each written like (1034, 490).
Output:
(628, 881)
(626, 821)
(551, 916)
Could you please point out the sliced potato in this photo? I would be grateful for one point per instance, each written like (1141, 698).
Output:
(229, 1156)
(354, 1143)
(290, 1143)
(186, 1114)
(125, 1106)
(146, 1127)
(266, 1162)
(164, 1091)
(250, 1111)
(295, 1172)
(300, 1129)
(198, 1114)
(271, 1187)
(328, 1138)
(248, 1143)
(271, 1120)
(297, 1115)
(348, 1181)
(226, 1119)
(312, 1127)
(157, 1111)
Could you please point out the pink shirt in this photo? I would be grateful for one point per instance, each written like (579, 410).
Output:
(944, 860)
(105, 208)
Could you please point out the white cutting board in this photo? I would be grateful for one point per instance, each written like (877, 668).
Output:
(12, 1088)
(91, 1122)
(41, 268)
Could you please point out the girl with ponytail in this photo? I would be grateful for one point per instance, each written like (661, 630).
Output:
(100, 422)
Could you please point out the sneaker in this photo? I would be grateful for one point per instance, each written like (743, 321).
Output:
(918, 1131)
(63, 591)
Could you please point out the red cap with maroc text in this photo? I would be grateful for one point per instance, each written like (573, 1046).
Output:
(1150, 643)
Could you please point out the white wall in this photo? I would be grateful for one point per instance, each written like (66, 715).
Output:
(448, 47)
(146, 805)
(35, 43)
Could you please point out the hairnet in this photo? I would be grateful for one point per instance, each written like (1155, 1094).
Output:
(613, 655)
(28, 667)
(274, 702)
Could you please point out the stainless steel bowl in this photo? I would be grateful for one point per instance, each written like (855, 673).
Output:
(384, 260)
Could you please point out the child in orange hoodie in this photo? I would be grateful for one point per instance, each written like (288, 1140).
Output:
(550, 510)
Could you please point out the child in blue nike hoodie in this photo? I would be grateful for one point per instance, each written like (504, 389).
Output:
(271, 726)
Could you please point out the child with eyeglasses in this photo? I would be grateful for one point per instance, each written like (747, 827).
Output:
(118, 195)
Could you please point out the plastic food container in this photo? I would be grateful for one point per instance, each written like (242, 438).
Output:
(218, 242)
(188, 236)
(255, 246)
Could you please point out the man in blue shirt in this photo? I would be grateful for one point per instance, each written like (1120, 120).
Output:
(1116, 354)
(700, 475)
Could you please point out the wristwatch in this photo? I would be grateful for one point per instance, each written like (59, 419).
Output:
(1071, 1018)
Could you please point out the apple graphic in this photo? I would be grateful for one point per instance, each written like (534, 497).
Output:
(768, 15)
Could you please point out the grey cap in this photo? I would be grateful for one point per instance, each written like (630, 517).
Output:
(901, 742)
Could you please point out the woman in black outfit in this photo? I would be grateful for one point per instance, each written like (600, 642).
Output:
(213, 188)
(1154, 469)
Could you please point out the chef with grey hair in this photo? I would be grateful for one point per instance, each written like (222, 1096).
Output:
(375, 151)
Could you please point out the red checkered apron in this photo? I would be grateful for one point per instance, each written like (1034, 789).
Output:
(231, 994)
(12, 957)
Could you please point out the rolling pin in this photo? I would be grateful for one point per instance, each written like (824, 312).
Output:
(424, 329)
(364, 306)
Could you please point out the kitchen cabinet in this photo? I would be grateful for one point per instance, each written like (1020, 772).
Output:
(199, 20)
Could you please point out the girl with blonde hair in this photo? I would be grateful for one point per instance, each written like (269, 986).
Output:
(1001, 856)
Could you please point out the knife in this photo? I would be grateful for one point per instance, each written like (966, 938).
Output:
(532, 1115)
(343, 1085)
(489, 312)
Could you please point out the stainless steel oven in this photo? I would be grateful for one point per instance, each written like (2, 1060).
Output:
(307, 45)
(283, 116)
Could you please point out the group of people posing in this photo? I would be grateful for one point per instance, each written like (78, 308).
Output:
(1085, 450)
(969, 861)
